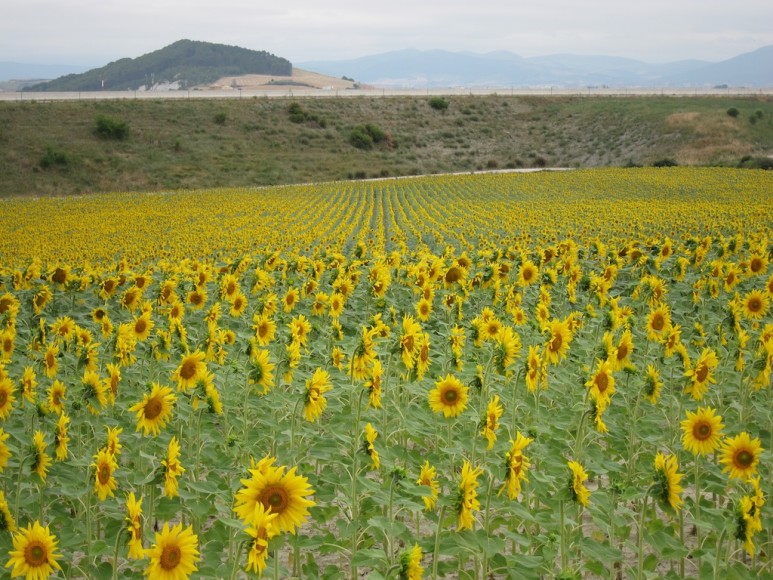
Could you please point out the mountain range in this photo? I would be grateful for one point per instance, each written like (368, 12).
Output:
(438, 68)
(189, 63)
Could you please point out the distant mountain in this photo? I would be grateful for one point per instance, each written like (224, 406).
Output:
(438, 68)
(183, 64)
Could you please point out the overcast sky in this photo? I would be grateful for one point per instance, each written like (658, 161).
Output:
(93, 33)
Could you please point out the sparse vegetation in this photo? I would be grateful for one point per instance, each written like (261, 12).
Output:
(220, 118)
(54, 158)
(108, 128)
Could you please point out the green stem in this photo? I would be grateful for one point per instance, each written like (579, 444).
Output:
(355, 469)
(115, 554)
(562, 524)
(486, 519)
(436, 551)
(719, 552)
(698, 510)
(292, 427)
(640, 531)
(276, 564)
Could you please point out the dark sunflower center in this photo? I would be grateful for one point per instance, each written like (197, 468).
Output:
(702, 372)
(104, 474)
(744, 459)
(754, 304)
(756, 265)
(275, 498)
(622, 352)
(658, 322)
(450, 396)
(170, 557)
(50, 360)
(555, 344)
(35, 554)
(408, 343)
(528, 274)
(188, 370)
(602, 382)
(3, 398)
(701, 431)
(153, 408)
(141, 325)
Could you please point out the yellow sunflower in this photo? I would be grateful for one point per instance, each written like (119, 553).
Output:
(558, 341)
(316, 387)
(290, 299)
(172, 468)
(40, 459)
(467, 496)
(104, 467)
(51, 360)
(666, 484)
(61, 439)
(410, 564)
(155, 409)
(409, 340)
(369, 446)
(192, 367)
(448, 397)
(577, 489)
(374, 385)
(527, 273)
(5, 453)
(755, 305)
(517, 465)
(507, 347)
(261, 371)
(658, 323)
(174, 555)
(34, 553)
(428, 478)
(93, 391)
(7, 523)
(134, 527)
(285, 494)
(261, 530)
(7, 398)
(490, 422)
(602, 384)
(702, 431)
(740, 456)
(652, 384)
(702, 374)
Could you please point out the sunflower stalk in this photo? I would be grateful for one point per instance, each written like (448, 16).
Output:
(436, 551)
(640, 534)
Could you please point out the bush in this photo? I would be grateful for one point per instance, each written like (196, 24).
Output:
(108, 128)
(53, 157)
(366, 136)
(220, 118)
(749, 162)
(298, 115)
(438, 103)
(733, 112)
(665, 162)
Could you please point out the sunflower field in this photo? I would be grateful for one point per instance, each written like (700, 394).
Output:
(559, 374)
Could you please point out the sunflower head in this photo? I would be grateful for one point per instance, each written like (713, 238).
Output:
(448, 397)
(702, 431)
(175, 553)
(740, 456)
(34, 552)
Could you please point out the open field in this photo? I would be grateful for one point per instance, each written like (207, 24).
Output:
(50, 148)
(558, 374)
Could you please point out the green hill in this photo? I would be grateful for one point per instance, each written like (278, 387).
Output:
(186, 62)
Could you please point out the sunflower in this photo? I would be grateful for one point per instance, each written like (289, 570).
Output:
(28, 384)
(422, 358)
(577, 489)
(507, 346)
(410, 564)
(702, 431)
(112, 380)
(558, 341)
(300, 328)
(51, 360)
(368, 446)
(602, 384)
(7, 523)
(174, 555)
(40, 459)
(192, 366)
(409, 340)
(652, 384)
(741, 455)
(172, 468)
(658, 323)
(134, 527)
(467, 497)
(265, 329)
(5, 453)
(290, 299)
(197, 298)
(336, 305)
(155, 409)
(428, 478)
(448, 397)
(7, 398)
(490, 422)
(61, 439)
(533, 368)
(284, 494)
(701, 375)
(238, 305)
(527, 273)
(516, 465)
(104, 467)
(93, 391)
(34, 553)
(755, 305)
(316, 387)
(112, 441)
(261, 371)
(374, 385)
(261, 529)
(620, 354)
(141, 326)
(666, 484)
(63, 328)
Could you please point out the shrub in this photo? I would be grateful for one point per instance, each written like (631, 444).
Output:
(733, 112)
(665, 162)
(438, 103)
(108, 128)
(53, 157)
(366, 136)
(220, 118)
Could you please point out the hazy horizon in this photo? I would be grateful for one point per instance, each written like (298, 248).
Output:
(89, 34)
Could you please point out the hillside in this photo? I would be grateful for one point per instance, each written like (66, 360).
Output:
(183, 64)
(53, 148)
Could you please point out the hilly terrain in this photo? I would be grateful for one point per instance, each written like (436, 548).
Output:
(439, 68)
(183, 64)
(77, 147)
